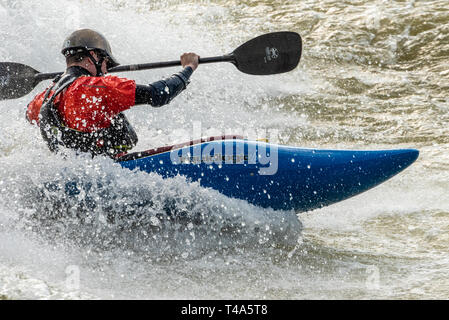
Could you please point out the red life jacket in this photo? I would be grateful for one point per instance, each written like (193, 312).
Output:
(84, 113)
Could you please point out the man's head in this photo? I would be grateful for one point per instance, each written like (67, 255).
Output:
(89, 49)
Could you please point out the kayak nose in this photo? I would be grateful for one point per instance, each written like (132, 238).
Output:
(379, 166)
(402, 158)
(357, 172)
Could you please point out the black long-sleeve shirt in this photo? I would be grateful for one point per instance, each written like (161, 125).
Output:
(162, 92)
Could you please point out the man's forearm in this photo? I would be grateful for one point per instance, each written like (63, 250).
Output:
(162, 92)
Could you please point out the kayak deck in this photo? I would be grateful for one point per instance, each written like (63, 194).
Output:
(275, 176)
(151, 152)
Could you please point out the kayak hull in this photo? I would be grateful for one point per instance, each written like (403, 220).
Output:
(275, 176)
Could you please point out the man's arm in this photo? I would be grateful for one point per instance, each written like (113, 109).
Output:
(162, 92)
(34, 107)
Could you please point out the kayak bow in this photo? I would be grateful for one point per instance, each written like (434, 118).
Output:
(275, 176)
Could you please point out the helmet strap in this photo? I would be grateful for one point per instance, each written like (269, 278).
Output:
(96, 63)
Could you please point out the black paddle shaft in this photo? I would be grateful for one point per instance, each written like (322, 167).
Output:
(267, 54)
(156, 65)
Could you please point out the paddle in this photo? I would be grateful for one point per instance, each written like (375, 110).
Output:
(267, 54)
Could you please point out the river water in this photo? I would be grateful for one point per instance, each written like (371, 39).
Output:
(373, 75)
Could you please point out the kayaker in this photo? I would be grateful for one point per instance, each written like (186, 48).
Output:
(82, 109)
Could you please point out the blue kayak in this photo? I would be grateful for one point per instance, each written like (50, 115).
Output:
(274, 176)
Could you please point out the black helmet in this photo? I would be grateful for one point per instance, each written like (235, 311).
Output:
(87, 39)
